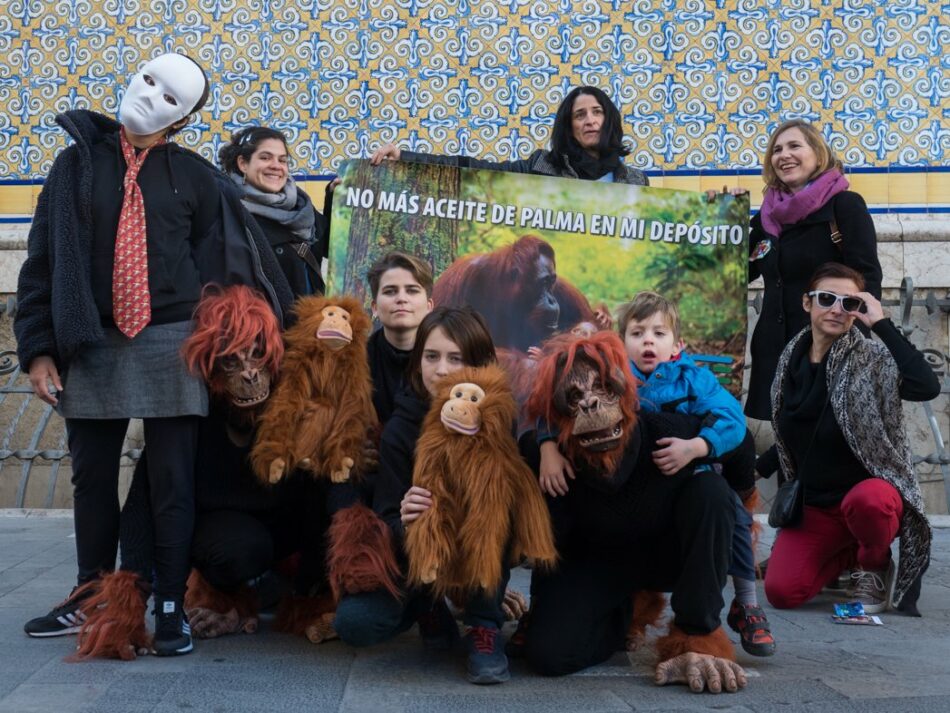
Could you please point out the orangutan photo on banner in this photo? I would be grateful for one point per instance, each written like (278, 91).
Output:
(539, 256)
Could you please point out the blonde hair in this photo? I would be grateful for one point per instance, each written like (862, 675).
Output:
(823, 152)
(643, 306)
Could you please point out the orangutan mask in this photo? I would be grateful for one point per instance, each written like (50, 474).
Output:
(594, 406)
(164, 92)
(242, 378)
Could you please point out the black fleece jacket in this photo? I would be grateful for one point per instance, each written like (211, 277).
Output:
(57, 312)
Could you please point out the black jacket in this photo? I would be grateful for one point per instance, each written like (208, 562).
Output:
(57, 312)
(786, 270)
(304, 278)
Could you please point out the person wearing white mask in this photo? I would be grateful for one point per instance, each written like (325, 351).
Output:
(128, 229)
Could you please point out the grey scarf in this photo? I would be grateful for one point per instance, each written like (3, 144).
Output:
(866, 403)
(291, 208)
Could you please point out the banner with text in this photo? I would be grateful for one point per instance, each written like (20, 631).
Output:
(535, 255)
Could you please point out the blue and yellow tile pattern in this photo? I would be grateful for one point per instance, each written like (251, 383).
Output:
(699, 83)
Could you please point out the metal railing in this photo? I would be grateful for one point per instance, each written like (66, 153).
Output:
(32, 408)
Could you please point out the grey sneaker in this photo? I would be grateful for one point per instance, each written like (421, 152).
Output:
(873, 588)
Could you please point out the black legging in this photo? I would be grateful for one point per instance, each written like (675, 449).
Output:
(96, 446)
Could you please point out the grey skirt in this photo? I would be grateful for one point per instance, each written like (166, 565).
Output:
(143, 377)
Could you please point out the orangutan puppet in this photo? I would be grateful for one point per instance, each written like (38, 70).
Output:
(322, 409)
(485, 498)
(586, 392)
(236, 347)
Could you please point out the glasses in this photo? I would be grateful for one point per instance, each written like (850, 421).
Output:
(827, 300)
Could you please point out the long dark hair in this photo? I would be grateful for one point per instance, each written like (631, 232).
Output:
(462, 325)
(611, 132)
(243, 145)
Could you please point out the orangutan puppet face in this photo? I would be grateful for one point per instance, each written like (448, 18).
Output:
(242, 378)
(462, 412)
(594, 407)
(335, 330)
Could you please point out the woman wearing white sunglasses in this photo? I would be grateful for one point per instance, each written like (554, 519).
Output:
(839, 428)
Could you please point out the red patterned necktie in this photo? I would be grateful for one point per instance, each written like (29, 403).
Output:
(131, 305)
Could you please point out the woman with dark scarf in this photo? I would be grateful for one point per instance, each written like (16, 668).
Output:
(257, 161)
(806, 202)
(586, 143)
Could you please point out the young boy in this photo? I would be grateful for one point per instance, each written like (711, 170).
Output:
(670, 381)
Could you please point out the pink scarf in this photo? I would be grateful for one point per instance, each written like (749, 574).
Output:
(780, 209)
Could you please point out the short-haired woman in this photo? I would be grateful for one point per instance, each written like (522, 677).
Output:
(839, 427)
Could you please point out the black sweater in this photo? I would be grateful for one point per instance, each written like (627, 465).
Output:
(611, 514)
(396, 459)
(387, 366)
(829, 469)
(181, 206)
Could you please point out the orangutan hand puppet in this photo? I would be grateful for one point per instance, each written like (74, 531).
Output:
(485, 498)
(322, 409)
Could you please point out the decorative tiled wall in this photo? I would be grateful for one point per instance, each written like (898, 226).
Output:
(699, 84)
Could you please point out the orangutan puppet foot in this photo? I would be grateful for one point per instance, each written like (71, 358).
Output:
(277, 470)
(342, 475)
(209, 624)
(322, 629)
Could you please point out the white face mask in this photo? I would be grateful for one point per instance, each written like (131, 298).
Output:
(163, 92)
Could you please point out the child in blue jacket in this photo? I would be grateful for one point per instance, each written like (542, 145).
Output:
(669, 380)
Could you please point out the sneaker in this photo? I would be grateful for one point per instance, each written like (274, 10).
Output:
(438, 628)
(873, 588)
(487, 662)
(839, 585)
(65, 618)
(515, 646)
(172, 630)
(753, 628)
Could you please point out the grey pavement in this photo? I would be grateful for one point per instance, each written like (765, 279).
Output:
(901, 666)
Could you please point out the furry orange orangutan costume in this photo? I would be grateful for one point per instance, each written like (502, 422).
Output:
(485, 499)
(322, 410)
(236, 347)
(623, 516)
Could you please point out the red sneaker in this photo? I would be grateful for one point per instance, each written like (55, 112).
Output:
(753, 628)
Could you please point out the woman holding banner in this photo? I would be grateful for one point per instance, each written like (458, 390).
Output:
(808, 217)
(586, 143)
(256, 159)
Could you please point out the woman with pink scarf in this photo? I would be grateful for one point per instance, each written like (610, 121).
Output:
(808, 217)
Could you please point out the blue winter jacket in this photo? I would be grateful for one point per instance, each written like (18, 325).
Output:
(682, 386)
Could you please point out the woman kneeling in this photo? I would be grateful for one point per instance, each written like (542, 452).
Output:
(839, 425)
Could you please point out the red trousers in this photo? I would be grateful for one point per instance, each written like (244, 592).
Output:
(859, 531)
